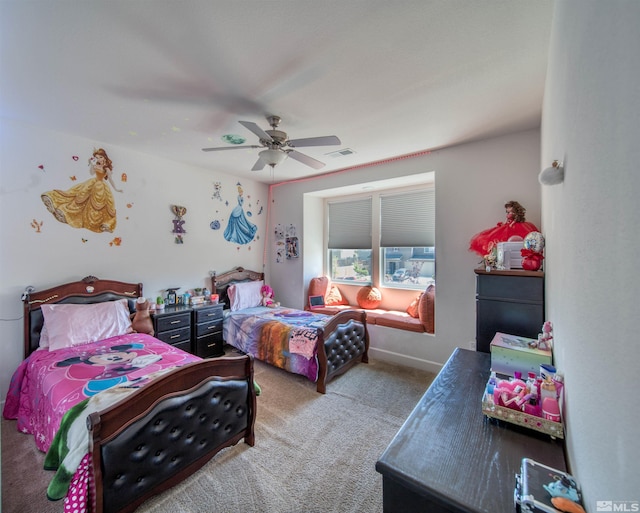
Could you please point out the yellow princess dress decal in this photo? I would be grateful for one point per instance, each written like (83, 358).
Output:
(89, 204)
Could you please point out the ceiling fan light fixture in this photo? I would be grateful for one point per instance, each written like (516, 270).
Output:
(272, 157)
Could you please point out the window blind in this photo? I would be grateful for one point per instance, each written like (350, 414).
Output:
(408, 219)
(350, 224)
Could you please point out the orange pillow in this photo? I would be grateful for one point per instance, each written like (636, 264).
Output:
(319, 286)
(426, 309)
(412, 309)
(334, 297)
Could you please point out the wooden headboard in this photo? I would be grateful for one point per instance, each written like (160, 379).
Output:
(221, 282)
(86, 291)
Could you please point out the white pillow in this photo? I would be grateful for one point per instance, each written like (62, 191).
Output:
(245, 295)
(72, 325)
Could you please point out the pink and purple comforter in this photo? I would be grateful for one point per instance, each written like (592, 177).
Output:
(283, 337)
(48, 383)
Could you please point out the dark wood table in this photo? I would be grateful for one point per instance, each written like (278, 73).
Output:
(449, 457)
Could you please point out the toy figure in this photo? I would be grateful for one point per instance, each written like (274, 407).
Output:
(514, 228)
(142, 322)
(546, 339)
(267, 297)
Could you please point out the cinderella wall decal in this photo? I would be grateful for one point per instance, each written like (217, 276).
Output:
(239, 230)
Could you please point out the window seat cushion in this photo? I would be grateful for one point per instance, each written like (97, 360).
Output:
(424, 323)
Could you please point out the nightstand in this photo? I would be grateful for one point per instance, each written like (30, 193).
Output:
(173, 326)
(207, 327)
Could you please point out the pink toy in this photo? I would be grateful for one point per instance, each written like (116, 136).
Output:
(511, 394)
(267, 297)
(546, 338)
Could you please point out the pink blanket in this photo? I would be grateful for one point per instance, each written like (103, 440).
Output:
(48, 383)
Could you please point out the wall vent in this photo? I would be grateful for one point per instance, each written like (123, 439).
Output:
(340, 153)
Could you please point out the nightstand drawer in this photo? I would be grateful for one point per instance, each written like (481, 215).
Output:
(209, 328)
(173, 322)
(210, 313)
(174, 337)
(209, 346)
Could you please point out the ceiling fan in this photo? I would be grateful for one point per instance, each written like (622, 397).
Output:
(278, 146)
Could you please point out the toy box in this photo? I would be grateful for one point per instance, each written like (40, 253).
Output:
(542, 489)
(510, 354)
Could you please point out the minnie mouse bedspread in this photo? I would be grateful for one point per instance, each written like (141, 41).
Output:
(48, 383)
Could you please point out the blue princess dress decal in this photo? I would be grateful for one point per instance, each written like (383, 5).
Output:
(239, 230)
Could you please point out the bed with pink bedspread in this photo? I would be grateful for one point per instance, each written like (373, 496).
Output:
(124, 407)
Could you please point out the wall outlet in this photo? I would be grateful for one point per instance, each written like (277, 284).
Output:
(472, 345)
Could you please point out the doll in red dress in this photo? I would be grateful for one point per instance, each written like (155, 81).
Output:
(515, 228)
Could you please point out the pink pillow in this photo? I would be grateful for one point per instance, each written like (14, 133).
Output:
(44, 338)
(245, 295)
(72, 325)
(319, 286)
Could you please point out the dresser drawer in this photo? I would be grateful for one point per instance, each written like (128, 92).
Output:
(207, 314)
(175, 336)
(172, 322)
(209, 328)
(510, 288)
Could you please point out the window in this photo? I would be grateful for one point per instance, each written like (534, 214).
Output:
(407, 239)
(392, 232)
(349, 240)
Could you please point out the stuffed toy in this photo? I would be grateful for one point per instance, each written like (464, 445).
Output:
(267, 297)
(142, 322)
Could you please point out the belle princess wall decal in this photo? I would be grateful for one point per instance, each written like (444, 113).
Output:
(89, 204)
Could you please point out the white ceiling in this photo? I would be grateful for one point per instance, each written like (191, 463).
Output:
(170, 77)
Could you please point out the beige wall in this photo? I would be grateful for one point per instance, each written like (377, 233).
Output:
(592, 121)
(147, 253)
(473, 182)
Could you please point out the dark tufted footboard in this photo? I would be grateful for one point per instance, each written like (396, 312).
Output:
(179, 422)
(346, 341)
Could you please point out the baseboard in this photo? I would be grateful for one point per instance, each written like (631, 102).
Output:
(403, 359)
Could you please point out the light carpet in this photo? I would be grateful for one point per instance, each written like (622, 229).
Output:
(313, 452)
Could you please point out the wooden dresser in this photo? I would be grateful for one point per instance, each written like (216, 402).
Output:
(448, 457)
(509, 302)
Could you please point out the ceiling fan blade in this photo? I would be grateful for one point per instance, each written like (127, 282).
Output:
(305, 159)
(222, 148)
(256, 130)
(259, 165)
(327, 140)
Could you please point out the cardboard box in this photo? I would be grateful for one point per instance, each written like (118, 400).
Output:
(510, 353)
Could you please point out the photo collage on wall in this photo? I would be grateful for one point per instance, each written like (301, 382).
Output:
(287, 244)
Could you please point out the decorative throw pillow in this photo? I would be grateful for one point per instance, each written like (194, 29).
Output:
(369, 297)
(426, 309)
(72, 325)
(412, 309)
(319, 286)
(245, 295)
(334, 297)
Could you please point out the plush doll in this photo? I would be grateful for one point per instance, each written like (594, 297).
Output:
(142, 322)
(514, 228)
(267, 297)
